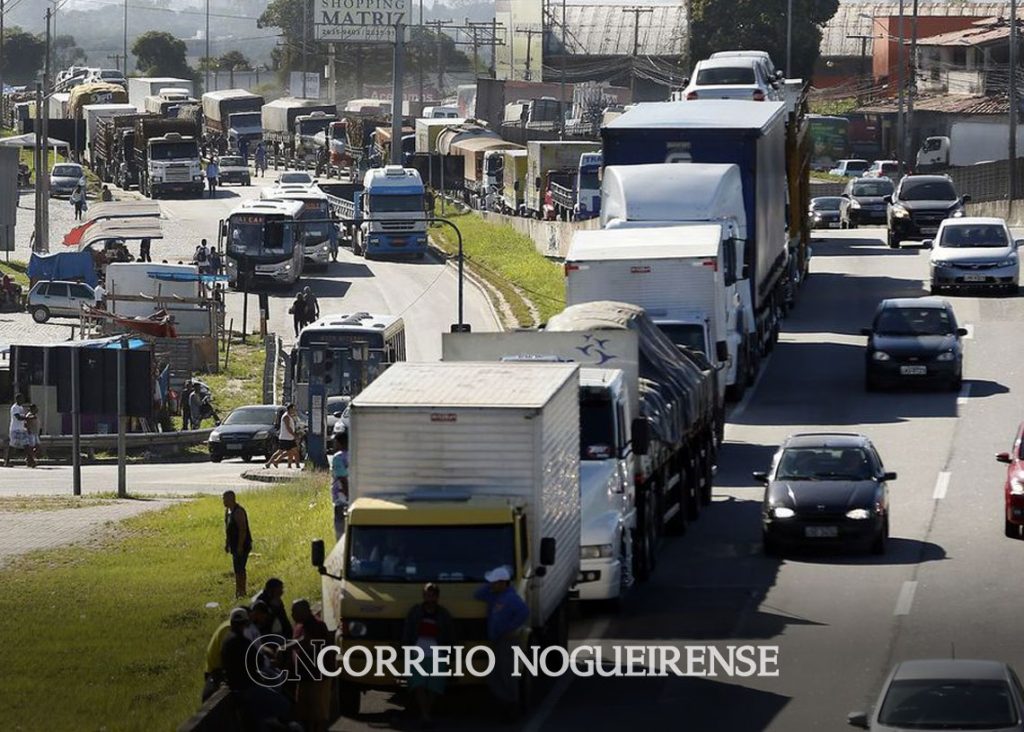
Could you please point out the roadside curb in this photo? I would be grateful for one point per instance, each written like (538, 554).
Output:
(501, 311)
(263, 475)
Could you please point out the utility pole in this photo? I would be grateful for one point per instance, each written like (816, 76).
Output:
(116, 58)
(125, 49)
(438, 24)
(530, 33)
(494, 48)
(43, 236)
(636, 11)
(359, 70)
(396, 97)
(332, 66)
(3, 62)
(207, 85)
(422, 47)
(789, 37)
(1012, 142)
(561, 90)
(900, 121)
(305, 46)
(911, 86)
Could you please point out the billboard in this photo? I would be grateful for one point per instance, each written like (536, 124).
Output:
(360, 21)
(309, 90)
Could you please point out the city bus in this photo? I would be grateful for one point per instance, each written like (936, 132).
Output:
(265, 239)
(339, 355)
(831, 139)
(319, 235)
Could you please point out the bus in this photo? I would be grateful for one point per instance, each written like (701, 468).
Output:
(339, 355)
(265, 239)
(319, 235)
(831, 139)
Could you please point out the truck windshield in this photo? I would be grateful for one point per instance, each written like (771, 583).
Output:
(339, 132)
(313, 126)
(418, 554)
(396, 204)
(257, 236)
(690, 335)
(597, 426)
(174, 151)
(589, 181)
(246, 119)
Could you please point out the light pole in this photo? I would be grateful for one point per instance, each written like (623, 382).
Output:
(789, 37)
(900, 121)
(125, 39)
(1012, 142)
(911, 86)
(207, 44)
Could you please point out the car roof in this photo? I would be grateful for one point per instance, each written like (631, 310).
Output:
(729, 62)
(915, 302)
(974, 221)
(915, 178)
(851, 160)
(826, 439)
(826, 198)
(950, 668)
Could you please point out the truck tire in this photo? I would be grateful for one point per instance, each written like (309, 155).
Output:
(645, 542)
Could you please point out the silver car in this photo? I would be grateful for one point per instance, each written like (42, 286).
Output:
(731, 78)
(47, 299)
(974, 252)
(65, 177)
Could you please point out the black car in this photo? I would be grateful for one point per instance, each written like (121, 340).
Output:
(246, 432)
(919, 204)
(864, 202)
(911, 341)
(825, 489)
(824, 212)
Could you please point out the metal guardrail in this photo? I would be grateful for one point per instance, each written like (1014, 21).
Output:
(183, 438)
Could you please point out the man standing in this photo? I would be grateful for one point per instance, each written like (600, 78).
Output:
(427, 625)
(212, 173)
(99, 293)
(195, 408)
(18, 433)
(313, 699)
(506, 614)
(261, 159)
(237, 539)
(298, 311)
(339, 483)
(215, 262)
(144, 246)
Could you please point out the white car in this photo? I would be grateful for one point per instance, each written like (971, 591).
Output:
(109, 76)
(974, 252)
(731, 78)
(851, 168)
(763, 56)
(47, 299)
(233, 169)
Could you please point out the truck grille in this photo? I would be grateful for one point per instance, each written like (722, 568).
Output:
(178, 174)
(397, 225)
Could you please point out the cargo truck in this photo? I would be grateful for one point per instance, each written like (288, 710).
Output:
(110, 156)
(427, 131)
(244, 126)
(95, 93)
(968, 143)
(310, 130)
(481, 160)
(750, 135)
(709, 198)
(218, 107)
(140, 87)
(57, 105)
(167, 102)
(513, 182)
(92, 113)
(546, 157)
(580, 199)
(167, 157)
(493, 482)
(279, 125)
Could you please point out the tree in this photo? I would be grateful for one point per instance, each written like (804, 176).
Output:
(23, 56)
(722, 25)
(234, 61)
(161, 54)
(66, 52)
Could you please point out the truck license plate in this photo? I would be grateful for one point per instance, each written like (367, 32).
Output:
(974, 278)
(913, 370)
(821, 532)
(233, 447)
(929, 230)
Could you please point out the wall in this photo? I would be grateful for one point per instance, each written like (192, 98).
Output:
(999, 209)
(550, 238)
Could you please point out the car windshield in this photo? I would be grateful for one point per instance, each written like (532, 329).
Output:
(337, 403)
(881, 187)
(825, 204)
(597, 426)
(931, 190)
(824, 463)
(295, 178)
(253, 415)
(67, 171)
(948, 704)
(687, 335)
(229, 162)
(914, 322)
(419, 554)
(984, 235)
(725, 76)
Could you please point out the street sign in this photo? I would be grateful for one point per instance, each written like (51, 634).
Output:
(312, 85)
(360, 21)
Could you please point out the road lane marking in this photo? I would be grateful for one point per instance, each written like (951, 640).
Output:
(965, 393)
(906, 598)
(941, 486)
(970, 331)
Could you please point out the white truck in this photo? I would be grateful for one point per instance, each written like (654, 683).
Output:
(427, 130)
(668, 198)
(968, 143)
(140, 87)
(166, 103)
(91, 113)
(549, 161)
(492, 482)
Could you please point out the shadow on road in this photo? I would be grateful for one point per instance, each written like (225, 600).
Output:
(844, 304)
(898, 552)
(351, 270)
(861, 247)
(738, 459)
(324, 287)
(985, 388)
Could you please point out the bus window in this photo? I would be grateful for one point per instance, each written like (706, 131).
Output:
(302, 373)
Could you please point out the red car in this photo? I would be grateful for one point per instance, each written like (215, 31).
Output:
(1014, 488)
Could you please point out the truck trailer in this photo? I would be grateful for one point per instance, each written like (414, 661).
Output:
(544, 158)
(280, 130)
(140, 87)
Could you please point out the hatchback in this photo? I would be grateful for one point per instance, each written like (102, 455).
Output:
(47, 299)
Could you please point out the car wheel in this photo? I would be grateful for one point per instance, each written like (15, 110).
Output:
(894, 241)
(248, 182)
(1010, 529)
(40, 314)
(878, 546)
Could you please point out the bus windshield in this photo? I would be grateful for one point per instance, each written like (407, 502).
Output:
(316, 211)
(259, 235)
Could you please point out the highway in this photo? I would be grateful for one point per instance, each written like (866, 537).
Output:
(840, 621)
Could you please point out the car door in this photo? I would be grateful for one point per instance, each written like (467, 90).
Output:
(81, 295)
(57, 299)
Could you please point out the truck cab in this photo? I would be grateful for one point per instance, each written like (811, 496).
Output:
(244, 126)
(933, 155)
(307, 127)
(173, 164)
(392, 209)
(588, 186)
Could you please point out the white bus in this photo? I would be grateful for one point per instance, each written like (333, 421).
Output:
(265, 238)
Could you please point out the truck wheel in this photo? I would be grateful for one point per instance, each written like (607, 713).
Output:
(350, 697)
(646, 542)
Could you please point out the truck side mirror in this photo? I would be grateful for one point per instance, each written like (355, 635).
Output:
(536, 182)
(722, 351)
(224, 229)
(640, 429)
(317, 554)
(547, 551)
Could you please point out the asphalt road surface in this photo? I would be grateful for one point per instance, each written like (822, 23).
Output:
(947, 584)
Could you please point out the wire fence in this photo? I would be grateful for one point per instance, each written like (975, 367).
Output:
(988, 181)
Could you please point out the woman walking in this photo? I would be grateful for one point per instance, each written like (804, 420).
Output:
(287, 439)
(78, 201)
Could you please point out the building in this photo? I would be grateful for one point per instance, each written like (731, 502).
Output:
(973, 61)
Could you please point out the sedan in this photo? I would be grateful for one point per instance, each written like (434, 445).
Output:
(864, 202)
(974, 253)
(65, 178)
(883, 169)
(247, 431)
(947, 694)
(824, 212)
(825, 489)
(1013, 487)
(914, 340)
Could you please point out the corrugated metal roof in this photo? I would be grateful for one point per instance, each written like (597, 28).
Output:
(954, 104)
(607, 30)
(977, 36)
(835, 37)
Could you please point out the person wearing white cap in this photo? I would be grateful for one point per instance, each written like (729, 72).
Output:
(506, 614)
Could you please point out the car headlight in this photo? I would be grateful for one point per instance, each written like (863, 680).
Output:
(940, 263)
(947, 356)
(783, 512)
(958, 213)
(854, 203)
(215, 437)
(900, 212)
(197, 177)
(595, 551)
(261, 435)
(1009, 261)
(880, 356)
(1017, 485)
(858, 514)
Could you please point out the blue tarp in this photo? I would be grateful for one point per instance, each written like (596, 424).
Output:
(62, 266)
(186, 277)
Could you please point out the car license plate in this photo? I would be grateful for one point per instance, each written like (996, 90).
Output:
(974, 278)
(821, 532)
(833, 224)
(913, 370)
(233, 447)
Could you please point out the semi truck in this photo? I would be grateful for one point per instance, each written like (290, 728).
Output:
(167, 157)
(140, 87)
(544, 157)
(699, 204)
(92, 113)
(493, 482)
(279, 119)
(968, 143)
(112, 151)
(750, 135)
(244, 126)
(218, 107)
(482, 162)
(513, 182)
(580, 198)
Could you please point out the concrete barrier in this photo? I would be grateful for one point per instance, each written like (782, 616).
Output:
(550, 238)
(219, 713)
(1000, 209)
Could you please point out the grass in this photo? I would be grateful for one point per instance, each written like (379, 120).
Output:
(18, 272)
(507, 260)
(125, 644)
(242, 382)
(18, 504)
(828, 177)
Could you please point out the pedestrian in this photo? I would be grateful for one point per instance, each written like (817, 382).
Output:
(214, 261)
(339, 483)
(183, 401)
(212, 173)
(238, 539)
(313, 697)
(261, 159)
(144, 247)
(287, 439)
(243, 149)
(78, 202)
(105, 195)
(261, 705)
(312, 306)
(506, 614)
(32, 427)
(18, 438)
(202, 257)
(277, 621)
(195, 408)
(99, 294)
(298, 311)
(428, 625)
(213, 674)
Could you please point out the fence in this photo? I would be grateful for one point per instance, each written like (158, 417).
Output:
(988, 181)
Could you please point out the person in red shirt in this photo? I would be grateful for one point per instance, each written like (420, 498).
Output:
(427, 625)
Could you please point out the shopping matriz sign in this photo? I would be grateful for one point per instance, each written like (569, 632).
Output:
(360, 21)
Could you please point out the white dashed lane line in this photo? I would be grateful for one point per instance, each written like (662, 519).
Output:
(941, 486)
(965, 394)
(906, 598)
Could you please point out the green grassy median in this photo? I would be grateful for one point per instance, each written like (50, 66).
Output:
(112, 635)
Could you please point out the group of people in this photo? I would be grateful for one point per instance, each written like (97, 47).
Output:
(24, 431)
(305, 309)
(207, 258)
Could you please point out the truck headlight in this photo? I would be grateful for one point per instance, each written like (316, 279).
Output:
(596, 551)
(783, 512)
(197, 177)
(859, 514)
(880, 356)
(900, 212)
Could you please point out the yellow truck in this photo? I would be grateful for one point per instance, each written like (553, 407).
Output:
(456, 469)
